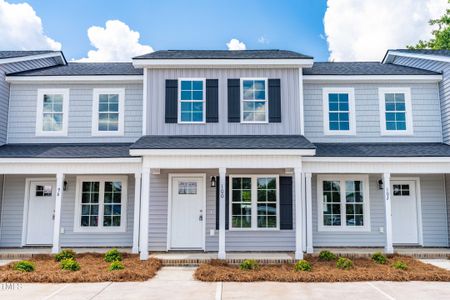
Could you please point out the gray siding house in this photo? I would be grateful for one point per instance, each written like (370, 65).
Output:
(225, 151)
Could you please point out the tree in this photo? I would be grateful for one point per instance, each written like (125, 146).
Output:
(441, 35)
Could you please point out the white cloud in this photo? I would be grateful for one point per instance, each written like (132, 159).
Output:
(364, 30)
(114, 42)
(21, 29)
(263, 40)
(235, 44)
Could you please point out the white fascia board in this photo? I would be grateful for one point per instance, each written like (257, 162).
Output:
(372, 78)
(215, 152)
(32, 57)
(417, 55)
(164, 63)
(378, 159)
(78, 79)
(72, 160)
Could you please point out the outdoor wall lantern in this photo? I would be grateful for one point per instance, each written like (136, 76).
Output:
(65, 186)
(380, 184)
(213, 181)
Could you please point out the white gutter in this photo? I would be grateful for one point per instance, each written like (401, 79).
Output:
(373, 78)
(89, 78)
(154, 63)
(215, 152)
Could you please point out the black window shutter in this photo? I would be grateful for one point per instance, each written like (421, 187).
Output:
(234, 99)
(274, 101)
(286, 213)
(171, 101)
(227, 202)
(212, 100)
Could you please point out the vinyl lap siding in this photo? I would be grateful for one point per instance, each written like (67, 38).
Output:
(425, 106)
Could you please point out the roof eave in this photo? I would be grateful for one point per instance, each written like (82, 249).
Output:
(35, 56)
(390, 54)
(190, 63)
(215, 152)
(74, 78)
(374, 78)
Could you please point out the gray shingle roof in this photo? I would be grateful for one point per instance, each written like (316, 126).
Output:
(362, 68)
(424, 51)
(223, 142)
(14, 54)
(117, 150)
(84, 69)
(223, 54)
(382, 150)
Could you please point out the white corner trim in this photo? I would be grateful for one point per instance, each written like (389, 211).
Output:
(266, 99)
(373, 78)
(417, 55)
(295, 63)
(95, 111)
(408, 114)
(32, 57)
(78, 79)
(144, 102)
(39, 112)
(302, 101)
(352, 110)
(203, 80)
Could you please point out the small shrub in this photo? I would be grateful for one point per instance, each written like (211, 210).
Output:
(327, 255)
(302, 265)
(24, 266)
(69, 264)
(379, 258)
(399, 265)
(249, 264)
(113, 255)
(344, 263)
(116, 265)
(65, 254)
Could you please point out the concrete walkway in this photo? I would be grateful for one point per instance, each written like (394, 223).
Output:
(177, 283)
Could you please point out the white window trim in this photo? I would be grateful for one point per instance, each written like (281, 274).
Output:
(100, 228)
(351, 110)
(95, 111)
(241, 89)
(40, 110)
(253, 202)
(408, 113)
(179, 100)
(366, 203)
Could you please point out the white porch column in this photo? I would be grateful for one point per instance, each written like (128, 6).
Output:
(298, 175)
(304, 235)
(145, 205)
(388, 209)
(309, 226)
(137, 205)
(222, 193)
(57, 214)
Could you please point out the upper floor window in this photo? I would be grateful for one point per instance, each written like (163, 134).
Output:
(191, 100)
(254, 100)
(52, 112)
(395, 111)
(339, 111)
(108, 112)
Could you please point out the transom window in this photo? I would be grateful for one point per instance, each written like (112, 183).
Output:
(254, 202)
(344, 203)
(254, 104)
(339, 111)
(101, 204)
(395, 108)
(52, 112)
(191, 101)
(108, 112)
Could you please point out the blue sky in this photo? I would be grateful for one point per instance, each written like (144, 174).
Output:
(193, 24)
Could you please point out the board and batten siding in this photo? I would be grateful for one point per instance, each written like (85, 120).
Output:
(290, 102)
(434, 216)
(425, 105)
(12, 216)
(4, 86)
(444, 85)
(22, 113)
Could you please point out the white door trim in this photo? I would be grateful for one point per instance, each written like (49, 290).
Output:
(418, 204)
(169, 208)
(26, 204)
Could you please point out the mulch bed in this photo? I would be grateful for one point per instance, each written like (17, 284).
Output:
(364, 270)
(93, 269)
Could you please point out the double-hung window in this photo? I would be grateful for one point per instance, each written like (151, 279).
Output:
(395, 111)
(254, 100)
(343, 203)
(339, 111)
(191, 100)
(108, 112)
(101, 204)
(254, 202)
(52, 112)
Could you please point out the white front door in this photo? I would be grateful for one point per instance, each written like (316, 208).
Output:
(404, 213)
(187, 215)
(41, 208)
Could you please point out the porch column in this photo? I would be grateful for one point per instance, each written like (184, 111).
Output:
(222, 192)
(298, 175)
(145, 205)
(388, 209)
(309, 226)
(137, 204)
(57, 214)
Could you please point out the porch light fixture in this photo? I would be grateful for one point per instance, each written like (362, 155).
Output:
(380, 184)
(213, 181)
(65, 186)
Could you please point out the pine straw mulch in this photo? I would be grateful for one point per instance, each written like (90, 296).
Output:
(364, 269)
(93, 269)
